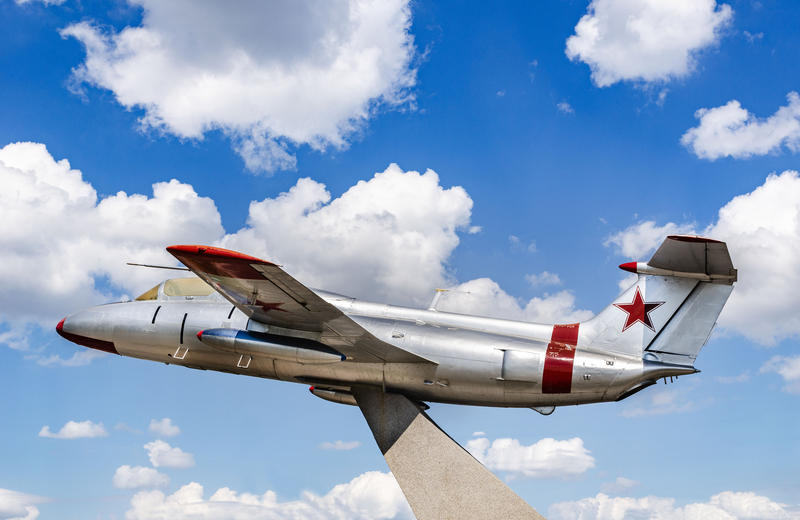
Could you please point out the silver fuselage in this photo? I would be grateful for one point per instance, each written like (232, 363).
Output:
(476, 360)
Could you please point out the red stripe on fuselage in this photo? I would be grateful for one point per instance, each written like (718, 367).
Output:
(559, 359)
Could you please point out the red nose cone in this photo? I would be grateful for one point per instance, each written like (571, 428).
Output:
(60, 326)
(200, 335)
(629, 266)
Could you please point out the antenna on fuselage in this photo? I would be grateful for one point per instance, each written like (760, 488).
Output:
(159, 266)
(435, 301)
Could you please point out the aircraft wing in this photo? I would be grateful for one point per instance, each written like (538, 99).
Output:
(267, 294)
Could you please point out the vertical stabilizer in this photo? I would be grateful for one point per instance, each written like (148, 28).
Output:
(671, 308)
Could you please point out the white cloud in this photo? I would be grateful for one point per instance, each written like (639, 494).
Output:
(370, 496)
(649, 41)
(60, 243)
(78, 359)
(121, 426)
(728, 505)
(164, 427)
(398, 228)
(565, 108)
(127, 477)
(340, 445)
(16, 338)
(547, 458)
(740, 378)
(619, 485)
(517, 243)
(19, 506)
(484, 297)
(57, 238)
(639, 240)
(271, 75)
(162, 454)
(662, 402)
(75, 430)
(731, 131)
(543, 278)
(788, 368)
(762, 306)
(45, 2)
(753, 37)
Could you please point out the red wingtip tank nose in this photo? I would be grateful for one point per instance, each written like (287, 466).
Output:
(628, 266)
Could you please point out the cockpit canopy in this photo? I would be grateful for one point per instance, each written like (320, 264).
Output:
(179, 288)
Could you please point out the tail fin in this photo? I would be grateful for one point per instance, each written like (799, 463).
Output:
(669, 312)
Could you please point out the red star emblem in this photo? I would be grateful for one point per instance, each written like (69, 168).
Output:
(638, 310)
(270, 306)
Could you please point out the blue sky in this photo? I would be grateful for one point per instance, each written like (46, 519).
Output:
(549, 157)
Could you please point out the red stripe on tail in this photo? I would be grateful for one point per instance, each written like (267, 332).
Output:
(559, 359)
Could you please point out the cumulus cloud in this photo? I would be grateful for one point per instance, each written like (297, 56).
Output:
(58, 240)
(64, 248)
(762, 306)
(641, 239)
(340, 445)
(370, 496)
(728, 505)
(271, 75)
(484, 297)
(127, 477)
(398, 228)
(75, 430)
(19, 506)
(647, 41)
(163, 455)
(164, 427)
(788, 368)
(547, 458)
(732, 131)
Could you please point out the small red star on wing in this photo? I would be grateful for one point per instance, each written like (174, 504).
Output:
(270, 306)
(638, 310)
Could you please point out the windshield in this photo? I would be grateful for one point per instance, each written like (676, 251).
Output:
(179, 287)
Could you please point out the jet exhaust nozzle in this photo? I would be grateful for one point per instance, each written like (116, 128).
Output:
(298, 350)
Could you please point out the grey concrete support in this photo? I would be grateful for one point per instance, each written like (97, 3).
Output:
(440, 479)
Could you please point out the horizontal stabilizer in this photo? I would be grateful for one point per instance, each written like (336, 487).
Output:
(692, 254)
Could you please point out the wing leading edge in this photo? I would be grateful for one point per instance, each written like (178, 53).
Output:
(267, 294)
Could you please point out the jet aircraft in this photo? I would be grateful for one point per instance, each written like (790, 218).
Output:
(247, 316)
